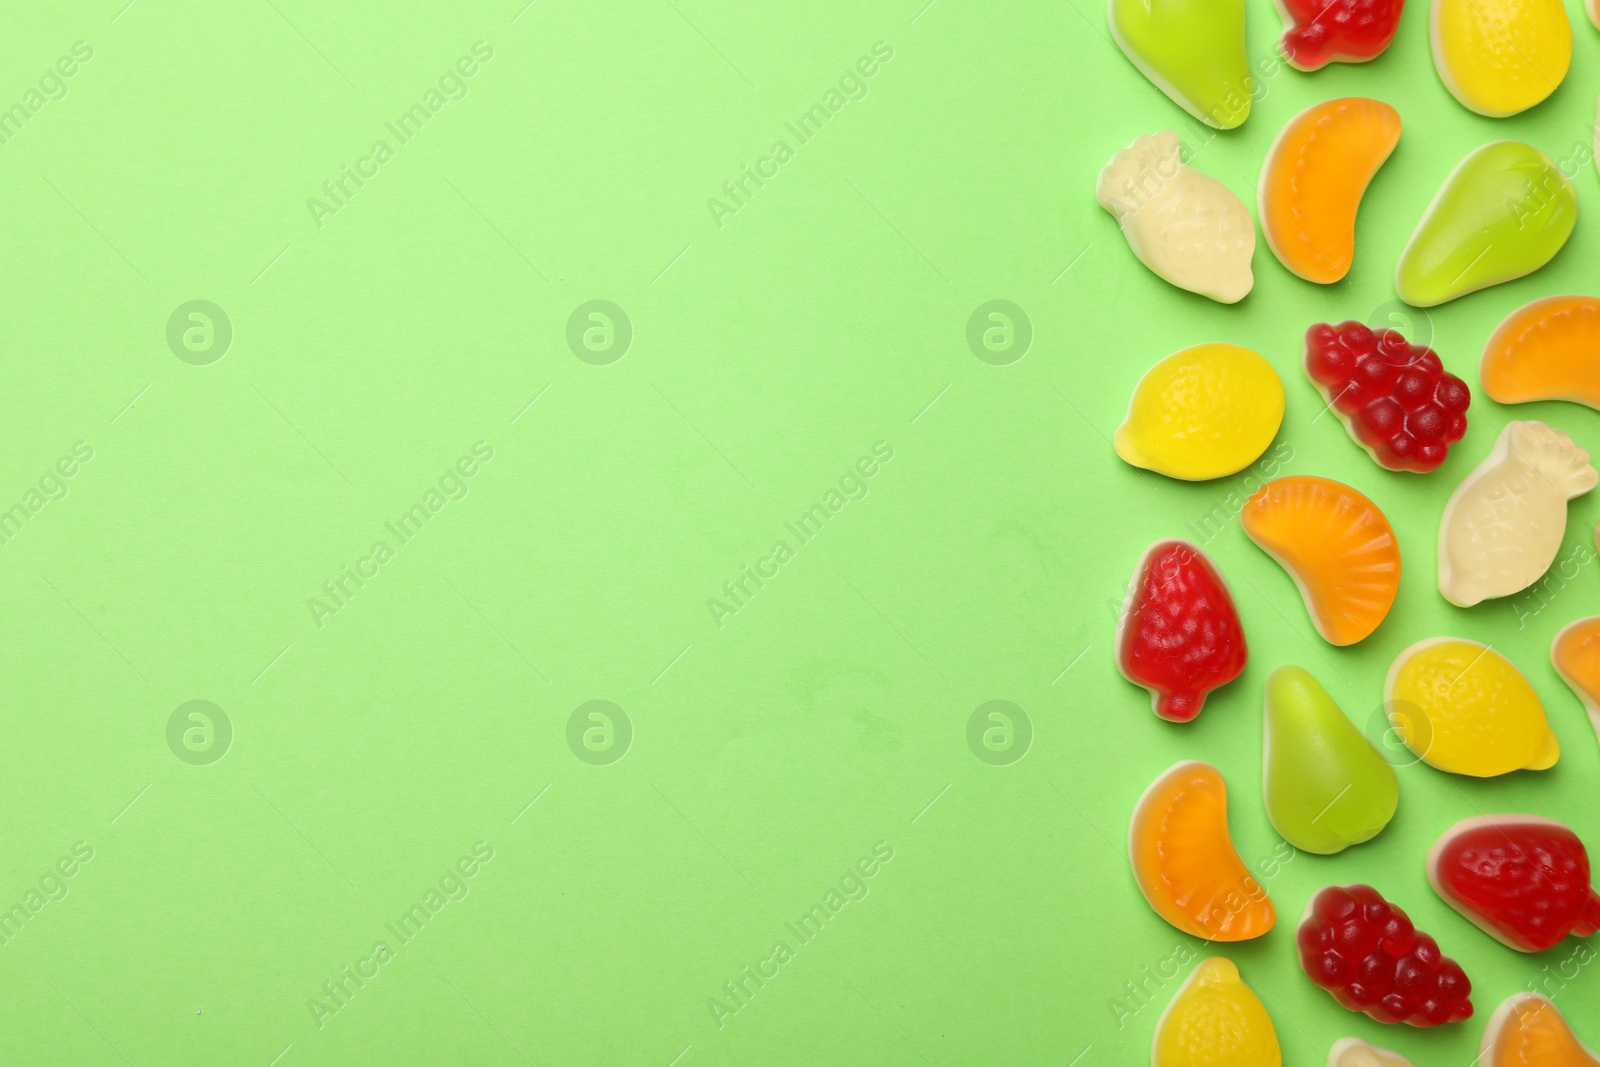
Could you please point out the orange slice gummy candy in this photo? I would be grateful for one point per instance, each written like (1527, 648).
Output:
(1185, 862)
(1575, 652)
(1546, 350)
(1336, 545)
(1528, 1031)
(1314, 177)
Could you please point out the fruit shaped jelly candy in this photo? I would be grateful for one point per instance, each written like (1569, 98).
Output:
(1499, 57)
(1192, 50)
(1527, 1030)
(1522, 879)
(1215, 1019)
(1505, 211)
(1326, 787)
(1183, 224)
(1395, 398)
(1364, 951)
(1546, 350)
(1575, 652)
(1464, 708)
(1185, 862)
(1336, 545)
(1179, 634)
(1319, 32)
(1504, 524)
(1354, 1052)
(1205, 412)
(1315, 174)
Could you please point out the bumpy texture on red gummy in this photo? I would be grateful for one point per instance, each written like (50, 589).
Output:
(1530, 881)
(1180, 635)
(1364, 951)
(1395, 397)
(1325, 30)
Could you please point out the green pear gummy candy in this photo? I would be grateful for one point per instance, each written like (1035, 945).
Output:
(1326, 786)
(1192, 50)
(1505, 211)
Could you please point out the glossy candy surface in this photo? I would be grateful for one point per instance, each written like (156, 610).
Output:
(1326, 787)
(1575, 653)
(1336, 545)
(1205, 412)
(1464, 708)
(1192, 50)
(1354, 1052)
(1395, 398)
(1179, 634)
(1312, 181)
(1522, 879)
(1215, 1020)
(1184, 860)
(1319, 32)
(1503, 526)
(1365, 951)
(1505, 211)
(1528, 1030)
(1183, 224)
(1546, 350)
(1499, 57)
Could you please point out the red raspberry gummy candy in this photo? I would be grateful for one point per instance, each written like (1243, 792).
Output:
(1524, 880)
(1327, 30)
(1364, 951)
(1394, 397)
(1179, 634)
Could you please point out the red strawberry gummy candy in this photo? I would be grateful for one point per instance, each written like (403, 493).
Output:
(1351, 31)
(1179, 634)
(1522, 879)
(1394, 397)
(1364, 951)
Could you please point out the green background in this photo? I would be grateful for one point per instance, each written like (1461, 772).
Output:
(769, 354)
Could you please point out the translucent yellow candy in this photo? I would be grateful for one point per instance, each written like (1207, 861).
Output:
(1499, 57)
(1215, 1020)
(1205, 412)
(1464, 708)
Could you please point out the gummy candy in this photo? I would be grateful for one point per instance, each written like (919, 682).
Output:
(1320, 32)
(1546, 350)
(1504, 524)
(1183, 224)
(1354, 1052)
(1326, 787)
(1205, 412)
(1462, 707)
(1527, 1030)
(1192, 50)
(1179, 634)
(1314, 177)
(1364, 951)
(1336, 545)
(1215, 1019)
(1395, 398)
(1499, 57)
(1505, 211)
(1575, 652)
(1185, 862)
(1522, 879)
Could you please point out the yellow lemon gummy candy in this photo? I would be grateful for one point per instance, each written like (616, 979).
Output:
(1464, 708)
(1215, 1020)
(1205, 412)
(1499, 57)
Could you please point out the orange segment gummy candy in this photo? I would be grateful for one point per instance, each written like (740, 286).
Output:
(1575, 652)
(1336, 545)
(1527, 1030)
(1185, 862)
(1546, 350)
(1314, 177)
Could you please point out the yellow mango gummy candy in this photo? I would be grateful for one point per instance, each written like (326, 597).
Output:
(1464, 708)
(1499, 57)
(1527, 1030)
(1215, 1020)
(1205, 412)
